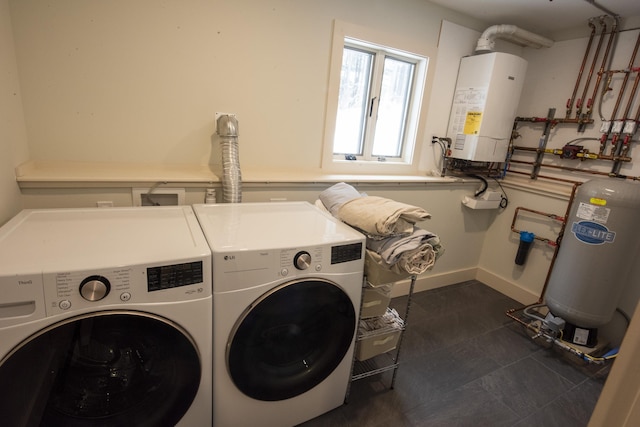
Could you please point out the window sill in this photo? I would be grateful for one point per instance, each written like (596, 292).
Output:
(61, 174)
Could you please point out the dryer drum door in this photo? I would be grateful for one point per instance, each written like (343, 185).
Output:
(103, 369)
(291, 339)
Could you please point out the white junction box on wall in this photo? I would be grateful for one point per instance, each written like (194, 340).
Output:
(488, 200)
(484, 106)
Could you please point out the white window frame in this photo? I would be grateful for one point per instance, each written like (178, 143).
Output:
(370, 39)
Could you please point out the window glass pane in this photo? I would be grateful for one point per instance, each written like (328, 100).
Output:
(352, 101)
(392, 111)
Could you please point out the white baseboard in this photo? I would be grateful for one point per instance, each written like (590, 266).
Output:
(424, 283)
(505, 287)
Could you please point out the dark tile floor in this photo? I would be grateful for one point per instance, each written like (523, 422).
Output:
(465, 363)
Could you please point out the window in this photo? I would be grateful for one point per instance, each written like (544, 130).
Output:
(372, 119)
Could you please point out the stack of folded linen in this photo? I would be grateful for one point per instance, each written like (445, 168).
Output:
(413, 254)
(394, 242)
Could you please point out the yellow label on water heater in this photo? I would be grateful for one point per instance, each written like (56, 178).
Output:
(472, 123)
(599, 202)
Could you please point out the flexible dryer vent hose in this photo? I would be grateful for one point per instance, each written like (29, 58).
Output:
(231, 175)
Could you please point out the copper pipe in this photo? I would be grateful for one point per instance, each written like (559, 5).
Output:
(637, 118)
(561, 167)
(614, 143)
(617, 143)
(554, 121)
(632, 178)
(625, 146)
(625, 150)
(633, 93)
(582, 156)
(580, 102)
(625, 80)
(542, 144)
(510, 314)
(541, 176)
(626, 70)
(572, 197)
(612, 36)
(548, 215)
(584, 60)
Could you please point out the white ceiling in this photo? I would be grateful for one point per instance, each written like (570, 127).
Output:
(544, 17)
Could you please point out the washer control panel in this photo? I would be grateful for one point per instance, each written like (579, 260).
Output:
(66, 291)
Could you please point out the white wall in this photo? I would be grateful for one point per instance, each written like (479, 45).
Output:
(140, 81)
(13, 141)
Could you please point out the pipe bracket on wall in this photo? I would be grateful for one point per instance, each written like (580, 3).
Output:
(542, 145)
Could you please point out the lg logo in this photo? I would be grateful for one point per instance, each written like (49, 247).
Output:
(229, 257)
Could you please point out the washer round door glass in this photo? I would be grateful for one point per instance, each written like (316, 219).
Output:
(291, 339)
(106, 369)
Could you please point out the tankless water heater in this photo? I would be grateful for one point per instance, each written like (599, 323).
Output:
(484, 106)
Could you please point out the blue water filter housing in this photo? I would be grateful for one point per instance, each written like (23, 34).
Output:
(526, 241)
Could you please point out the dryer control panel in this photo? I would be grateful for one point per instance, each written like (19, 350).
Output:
(346, 253)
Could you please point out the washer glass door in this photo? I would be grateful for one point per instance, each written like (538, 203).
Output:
(102, 369)
(291, 339)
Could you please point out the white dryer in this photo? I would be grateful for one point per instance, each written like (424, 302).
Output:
(287, 285)
(105, 318)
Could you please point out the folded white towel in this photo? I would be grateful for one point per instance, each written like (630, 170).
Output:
(336, 195)
(392, 248)
(380, 216)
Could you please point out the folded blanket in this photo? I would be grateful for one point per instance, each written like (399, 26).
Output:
(380, 216)
(392, 248)
(416, 261)
(336, 195)
(413, 254)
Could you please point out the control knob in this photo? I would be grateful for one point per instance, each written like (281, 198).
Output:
(302, 260)
(95, 288)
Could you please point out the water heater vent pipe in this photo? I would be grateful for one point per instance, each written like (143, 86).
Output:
(486, 42)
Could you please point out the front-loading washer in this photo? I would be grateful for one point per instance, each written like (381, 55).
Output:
(105, 318)
(287, 285)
